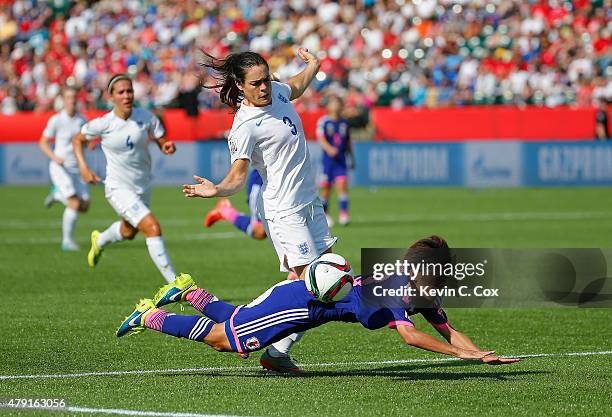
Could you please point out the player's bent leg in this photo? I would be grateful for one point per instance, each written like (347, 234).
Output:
(196, 328)
(127, 231)
(155, 244)
(276, 358)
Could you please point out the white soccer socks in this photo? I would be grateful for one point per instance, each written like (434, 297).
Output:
(110, 235)
(282, 347)
(157, 251)
(68, 222)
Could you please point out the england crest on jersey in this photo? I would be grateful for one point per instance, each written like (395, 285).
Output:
(303, 248)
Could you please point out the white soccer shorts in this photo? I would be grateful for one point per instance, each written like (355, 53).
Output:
(128, 204)
(68, 182)
(301, 236)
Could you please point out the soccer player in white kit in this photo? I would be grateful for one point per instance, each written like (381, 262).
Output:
(69, 188)
(267, 133)
(125, 133)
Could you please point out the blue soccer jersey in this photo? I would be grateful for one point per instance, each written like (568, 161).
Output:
(336, 133)
(288, 308)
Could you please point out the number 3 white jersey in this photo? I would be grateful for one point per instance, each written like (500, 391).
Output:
(62, 128)
(272, 138)
(125, 145)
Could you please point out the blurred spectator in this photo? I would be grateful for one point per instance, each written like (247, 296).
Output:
(398, 53)
(601, 127)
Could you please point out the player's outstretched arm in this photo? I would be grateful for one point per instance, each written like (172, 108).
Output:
(301, 81)
(88, 175)
(421, 340)
(462, 341)
(230, 185)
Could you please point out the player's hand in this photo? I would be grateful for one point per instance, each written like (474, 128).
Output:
(473, 354)
(332, 152)
(204, 189)
(307, 57)
(496, 360)
(168, 147)
(90, 176)
(58, 161)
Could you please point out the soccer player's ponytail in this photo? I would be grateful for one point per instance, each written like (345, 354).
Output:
(227, 72)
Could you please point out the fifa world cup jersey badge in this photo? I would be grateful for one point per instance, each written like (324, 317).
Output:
(232, 147)
(303, 248)
(252, 343)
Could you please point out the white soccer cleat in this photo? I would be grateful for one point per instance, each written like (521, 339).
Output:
(70, 246)
(343, 219)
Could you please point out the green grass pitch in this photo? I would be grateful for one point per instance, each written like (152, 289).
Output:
(59, 317)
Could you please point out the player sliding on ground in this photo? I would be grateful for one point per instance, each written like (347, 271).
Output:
(286, 308)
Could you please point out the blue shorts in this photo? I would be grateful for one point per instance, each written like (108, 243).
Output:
(277, 313)
(332, 171)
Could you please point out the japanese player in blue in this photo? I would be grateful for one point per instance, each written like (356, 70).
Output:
(286, 308)
(334, 137)
(249, 224)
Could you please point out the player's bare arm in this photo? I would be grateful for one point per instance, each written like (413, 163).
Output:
(230, 185)
(421, 340)
(459, 345)
(87, 174)
(44, 146)
(301, 81)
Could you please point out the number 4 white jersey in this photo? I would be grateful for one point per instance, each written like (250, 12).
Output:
(272, 138)
(125, 145)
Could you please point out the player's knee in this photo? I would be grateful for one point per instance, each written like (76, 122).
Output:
(150, 227)
(74, 203)
(84, 206)
(154, 229)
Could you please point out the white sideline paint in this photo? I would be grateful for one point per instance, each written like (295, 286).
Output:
(305, 365)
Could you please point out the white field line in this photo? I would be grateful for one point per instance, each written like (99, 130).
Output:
(14, 224)
(305, 365)
(121, 412)
(468, 217)
(182, 238)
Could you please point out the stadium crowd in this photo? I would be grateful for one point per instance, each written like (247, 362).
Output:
(398, 53)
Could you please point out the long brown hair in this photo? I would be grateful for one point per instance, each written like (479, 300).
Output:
(227, 72)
